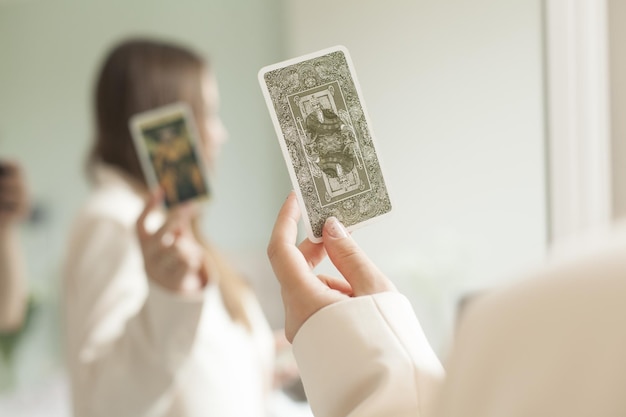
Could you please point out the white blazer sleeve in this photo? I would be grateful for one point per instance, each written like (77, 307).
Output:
(117, 336)
(367, 357)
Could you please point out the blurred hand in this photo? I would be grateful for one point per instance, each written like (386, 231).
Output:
(303, 292)
(285, 367)
(172, 256)
(14, 203)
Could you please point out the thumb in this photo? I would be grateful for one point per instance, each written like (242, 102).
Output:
(363, 276)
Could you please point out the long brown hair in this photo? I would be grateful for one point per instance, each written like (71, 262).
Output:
(139, 75)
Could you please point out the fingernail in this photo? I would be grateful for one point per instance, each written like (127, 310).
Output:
(335, 229)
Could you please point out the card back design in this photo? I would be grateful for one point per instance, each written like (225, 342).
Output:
(326, 138)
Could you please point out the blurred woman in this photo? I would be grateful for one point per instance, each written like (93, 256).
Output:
(158, 324)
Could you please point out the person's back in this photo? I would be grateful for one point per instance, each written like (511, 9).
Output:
(552, 345)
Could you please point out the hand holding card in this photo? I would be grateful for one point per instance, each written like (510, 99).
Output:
(166, 140)
(326, 138)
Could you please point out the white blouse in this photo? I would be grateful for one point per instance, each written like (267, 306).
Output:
(135, 349)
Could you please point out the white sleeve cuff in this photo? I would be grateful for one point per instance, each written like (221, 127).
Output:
(367, 356)
(171, 322)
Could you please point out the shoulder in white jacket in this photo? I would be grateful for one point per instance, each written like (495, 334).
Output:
(551, 345)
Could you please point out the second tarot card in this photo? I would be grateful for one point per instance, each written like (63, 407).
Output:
(166, 140)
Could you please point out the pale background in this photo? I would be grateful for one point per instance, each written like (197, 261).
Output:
(49, 53)
(617, 59)
(455, 93)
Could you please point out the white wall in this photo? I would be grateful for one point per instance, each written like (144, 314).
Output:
(579, 127)
(49, 53)
(454, 91)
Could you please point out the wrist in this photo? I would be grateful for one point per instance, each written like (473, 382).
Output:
(192, 284)
(188, 285)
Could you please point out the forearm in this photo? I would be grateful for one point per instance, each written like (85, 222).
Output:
(367, 357)
(149, 353)
(12, 280)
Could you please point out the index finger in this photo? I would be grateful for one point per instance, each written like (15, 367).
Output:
(176, 220)
(289, 264)
(153, 201)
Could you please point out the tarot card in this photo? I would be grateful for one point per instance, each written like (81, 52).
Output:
(325, 134)
(166, 140)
